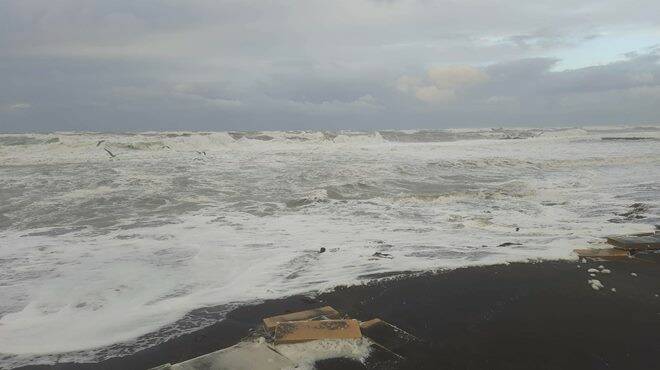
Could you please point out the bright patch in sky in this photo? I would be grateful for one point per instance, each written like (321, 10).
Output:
(605, 49)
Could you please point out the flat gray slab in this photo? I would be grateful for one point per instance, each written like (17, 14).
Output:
(635, 243)
(386, 334)
(243, 356)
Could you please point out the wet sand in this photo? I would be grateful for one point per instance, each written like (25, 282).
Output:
(518, 316)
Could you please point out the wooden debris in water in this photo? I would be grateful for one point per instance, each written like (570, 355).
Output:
(317, 313)
(303, 331)
(610, 253)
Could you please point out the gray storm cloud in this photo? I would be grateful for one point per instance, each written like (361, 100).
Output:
(221, 65)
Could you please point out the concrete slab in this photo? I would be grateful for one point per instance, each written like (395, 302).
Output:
(162, 367)
(386, 334)
(243, 356)
(303, 331)
(322, 312)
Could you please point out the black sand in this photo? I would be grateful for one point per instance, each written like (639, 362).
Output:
(518, 316)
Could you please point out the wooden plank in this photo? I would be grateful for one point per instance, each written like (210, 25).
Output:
(609, 253)
(369, 323)
(635, 243)
(322, 312)
(304, 331)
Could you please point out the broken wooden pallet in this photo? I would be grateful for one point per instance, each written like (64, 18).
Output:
(318, 313)
(303, 331)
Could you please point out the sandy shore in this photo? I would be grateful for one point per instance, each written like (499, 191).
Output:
(518, 316)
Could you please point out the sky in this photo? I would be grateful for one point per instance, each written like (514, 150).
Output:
(144, 65)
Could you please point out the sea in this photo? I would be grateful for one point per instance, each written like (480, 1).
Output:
(115, 242)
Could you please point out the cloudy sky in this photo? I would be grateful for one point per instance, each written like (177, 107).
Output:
(115, 65)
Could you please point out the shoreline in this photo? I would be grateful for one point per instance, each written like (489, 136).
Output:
(542, 315)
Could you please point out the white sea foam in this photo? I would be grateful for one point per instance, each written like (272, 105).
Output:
(97, 251)
(595, 284)
(304, 355)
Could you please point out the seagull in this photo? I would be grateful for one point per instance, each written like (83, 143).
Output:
(109, 152)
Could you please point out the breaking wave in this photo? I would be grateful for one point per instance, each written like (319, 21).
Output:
(210, 141)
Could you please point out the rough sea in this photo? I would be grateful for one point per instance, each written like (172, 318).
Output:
(110, 243)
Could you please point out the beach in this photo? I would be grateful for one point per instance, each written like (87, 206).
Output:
(541, 315)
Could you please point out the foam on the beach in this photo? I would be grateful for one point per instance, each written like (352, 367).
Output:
(304, 355)
(596, 284)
